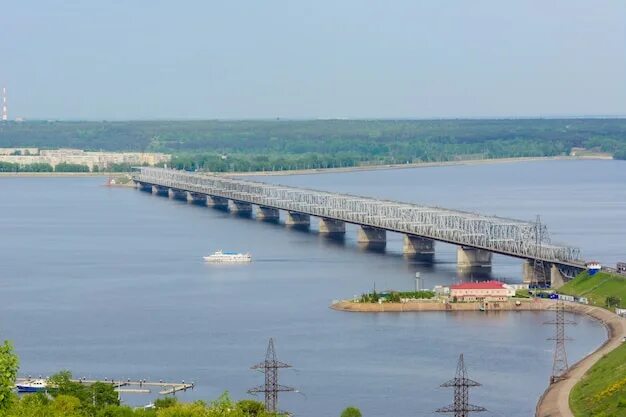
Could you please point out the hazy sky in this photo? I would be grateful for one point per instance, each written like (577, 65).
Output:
(145, 59)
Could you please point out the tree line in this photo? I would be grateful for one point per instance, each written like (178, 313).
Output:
(258, 145)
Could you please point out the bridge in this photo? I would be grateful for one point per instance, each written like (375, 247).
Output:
(476, 236)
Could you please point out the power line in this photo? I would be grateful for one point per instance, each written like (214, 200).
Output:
(271, 388)
(461, 384)
(559, 364)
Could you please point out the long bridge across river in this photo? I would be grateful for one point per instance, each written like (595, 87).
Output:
(476, 236)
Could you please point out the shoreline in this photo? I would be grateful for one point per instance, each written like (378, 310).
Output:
(525, 304)
(416, 165)
(312, 171)
(554, 402)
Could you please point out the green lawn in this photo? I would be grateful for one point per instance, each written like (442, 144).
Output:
(597, 288)
(602, 391)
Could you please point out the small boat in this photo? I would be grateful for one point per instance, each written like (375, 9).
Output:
(593, 267)
(32, 385)
(228, 257)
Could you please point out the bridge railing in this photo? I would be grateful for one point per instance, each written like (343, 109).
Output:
(510, 236)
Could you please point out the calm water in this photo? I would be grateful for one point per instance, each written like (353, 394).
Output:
(110, 283)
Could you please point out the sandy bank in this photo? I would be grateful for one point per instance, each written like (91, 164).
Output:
(414, 165)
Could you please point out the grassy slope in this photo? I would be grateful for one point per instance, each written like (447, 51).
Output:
(597, 288)
(602, 392)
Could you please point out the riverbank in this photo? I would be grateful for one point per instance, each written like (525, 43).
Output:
(523, 304)
(416, 165)
(555, 400)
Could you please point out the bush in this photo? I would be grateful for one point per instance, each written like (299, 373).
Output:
(351, 412)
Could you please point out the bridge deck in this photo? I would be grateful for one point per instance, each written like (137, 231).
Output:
(517, 238)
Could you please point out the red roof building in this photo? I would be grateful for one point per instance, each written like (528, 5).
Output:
(474, 291)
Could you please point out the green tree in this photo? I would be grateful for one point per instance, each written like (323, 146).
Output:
(9, 365)
(351, 412)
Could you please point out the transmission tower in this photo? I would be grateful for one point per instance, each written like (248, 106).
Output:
(559, 365)
(539, 269)
(271, 388)
(461, 384)
(5, 112)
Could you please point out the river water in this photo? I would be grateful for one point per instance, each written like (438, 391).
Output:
(109, 282)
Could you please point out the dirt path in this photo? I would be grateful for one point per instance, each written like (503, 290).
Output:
(555, 400)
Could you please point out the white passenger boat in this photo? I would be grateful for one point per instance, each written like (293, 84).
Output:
(228, 257)
(32, 385)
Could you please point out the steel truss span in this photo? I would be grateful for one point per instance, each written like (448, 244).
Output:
(521, 239)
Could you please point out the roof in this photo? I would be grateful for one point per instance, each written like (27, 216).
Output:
(485, 285)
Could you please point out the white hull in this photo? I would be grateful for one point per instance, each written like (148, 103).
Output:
(220, 257)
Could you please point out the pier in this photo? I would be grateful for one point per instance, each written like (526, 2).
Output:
(130, 386)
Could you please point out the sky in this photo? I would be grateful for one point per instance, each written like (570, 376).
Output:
(186, 59)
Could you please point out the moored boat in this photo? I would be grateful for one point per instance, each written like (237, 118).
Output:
(32, 385)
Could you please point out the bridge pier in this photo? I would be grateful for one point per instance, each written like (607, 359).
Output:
(372, 237)
(528, 273)
(217, 202)
(467, 257)
(557, 279)
(267, 214)
(142, 186)
(240, 207)
(298, 220)
(332, 228)
(158, 190)
(416, 246)
(176, 194)
(195, 198)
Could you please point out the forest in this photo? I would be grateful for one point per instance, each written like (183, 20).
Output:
(255, 145)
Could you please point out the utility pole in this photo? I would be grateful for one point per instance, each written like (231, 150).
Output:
(461, 384)
(271, 388)
(559, 364)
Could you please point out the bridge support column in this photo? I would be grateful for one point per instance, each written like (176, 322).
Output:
(196, 198)
(528, 271)
(472, 258)
(372, 236)
(240, 207)
(415, 245)
(298, 220)
(158, 190)
(216, 202)
(143, 187)
(267, 214)
(332, 228)
(557, 279)
(176, 194)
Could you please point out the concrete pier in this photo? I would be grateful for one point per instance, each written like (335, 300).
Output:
(472, 258)
(528, 272)
(176, 194)
(240, 207)
(267, 213)
(332, 228)
(158, 190)
(195, 198)
(372, 236)
(414, 245)
(143, 187)
(216, 202)
(557, 280)
(299, 220)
